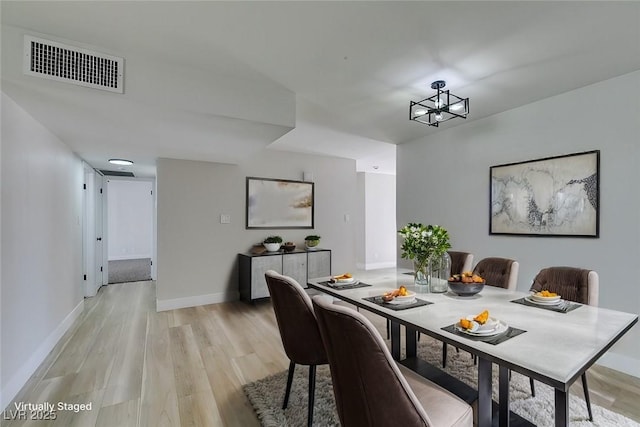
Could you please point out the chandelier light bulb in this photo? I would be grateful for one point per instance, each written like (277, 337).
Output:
(420, 112)
(457, 106)
(439, 103)
(439, 117)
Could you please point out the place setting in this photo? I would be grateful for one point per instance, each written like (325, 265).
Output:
(398, 299)
(483, 327)
(344, 281)
(547, 300)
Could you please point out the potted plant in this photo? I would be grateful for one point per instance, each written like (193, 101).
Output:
(312, 241)
(272, 243)
(426, 246)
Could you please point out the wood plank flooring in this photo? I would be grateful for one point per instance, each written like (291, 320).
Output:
(186, 367)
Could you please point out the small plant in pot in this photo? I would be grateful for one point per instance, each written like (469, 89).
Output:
(312, 241)
(272, 243)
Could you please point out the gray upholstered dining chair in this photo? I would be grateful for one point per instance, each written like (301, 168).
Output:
(499, 272)
(573, 284)
(298, 330)
(369, 387)
(460, 261)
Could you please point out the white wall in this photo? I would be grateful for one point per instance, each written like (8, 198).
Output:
(378, 234)
(41, 244)
(444, 179)
(130, 219)
(197, 256)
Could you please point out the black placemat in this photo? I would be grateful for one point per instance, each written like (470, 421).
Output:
(343, 286)
(378, 300)
(495, 339)
(569, 307)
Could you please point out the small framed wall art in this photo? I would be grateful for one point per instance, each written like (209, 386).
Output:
(279, 203)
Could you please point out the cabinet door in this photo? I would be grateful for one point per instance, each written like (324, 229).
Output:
(295, 266)
(319, 264)
(259, 266)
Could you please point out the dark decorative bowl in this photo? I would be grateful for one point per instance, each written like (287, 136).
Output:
(465, 289)
(288, 248)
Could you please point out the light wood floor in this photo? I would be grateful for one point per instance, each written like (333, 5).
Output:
(186, 367)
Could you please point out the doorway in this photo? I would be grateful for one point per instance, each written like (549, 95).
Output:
(130, 224)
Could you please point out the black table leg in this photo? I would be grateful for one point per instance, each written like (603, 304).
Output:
(411, 341)
(504, 396)
(395, 340)
(484, 392)
(562, 408)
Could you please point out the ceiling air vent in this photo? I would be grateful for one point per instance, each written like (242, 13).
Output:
(116, 173)
(70, 64)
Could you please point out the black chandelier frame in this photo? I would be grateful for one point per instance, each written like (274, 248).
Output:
(439, 108)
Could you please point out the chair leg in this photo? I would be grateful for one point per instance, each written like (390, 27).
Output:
(388, 328)
(586, 396)
(444, 354)
(312, 392)
(533, 387)
(292, 367)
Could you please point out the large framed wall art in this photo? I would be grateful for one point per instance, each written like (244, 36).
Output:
(279, 203)
(554, 196)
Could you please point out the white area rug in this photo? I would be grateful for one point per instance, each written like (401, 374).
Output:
(266, 395)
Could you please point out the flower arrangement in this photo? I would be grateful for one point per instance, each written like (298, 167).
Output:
(422, 242)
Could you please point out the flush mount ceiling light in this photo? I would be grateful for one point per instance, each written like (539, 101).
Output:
(440, 107)
(123, 162)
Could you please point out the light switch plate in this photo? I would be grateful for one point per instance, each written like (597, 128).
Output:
(225, 219)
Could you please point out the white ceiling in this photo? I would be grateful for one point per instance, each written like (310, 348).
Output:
(218, 81)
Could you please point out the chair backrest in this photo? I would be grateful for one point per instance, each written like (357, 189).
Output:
(296, 320)
(460, 261)
(573, 284)
(499, 272)
(369, 388)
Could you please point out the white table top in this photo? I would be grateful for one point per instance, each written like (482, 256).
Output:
(556, 348)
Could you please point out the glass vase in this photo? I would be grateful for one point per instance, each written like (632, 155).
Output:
(438, 272)
(421, 275)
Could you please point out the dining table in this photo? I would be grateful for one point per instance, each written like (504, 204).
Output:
(553, 346)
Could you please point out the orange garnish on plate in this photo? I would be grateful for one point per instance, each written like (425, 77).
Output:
(482, 317)
(466, 324)
(547, 294)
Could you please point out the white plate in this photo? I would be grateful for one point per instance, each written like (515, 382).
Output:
(499, 328)
(355, 282)
(405, 300)
(545, 299)
(410, 296)
(556, 302)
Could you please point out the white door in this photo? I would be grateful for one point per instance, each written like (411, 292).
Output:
(89, 232)
(99, 231)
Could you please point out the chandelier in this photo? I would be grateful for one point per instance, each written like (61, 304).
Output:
(440, 107)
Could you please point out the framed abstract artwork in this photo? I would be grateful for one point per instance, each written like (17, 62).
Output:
(554, 196)
(279, 203)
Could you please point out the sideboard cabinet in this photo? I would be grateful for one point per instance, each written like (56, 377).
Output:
(301, 265)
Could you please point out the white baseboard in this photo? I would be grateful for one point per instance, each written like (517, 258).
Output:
(20, 378)
(194, 301)
(619, 362)
(376, 265)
